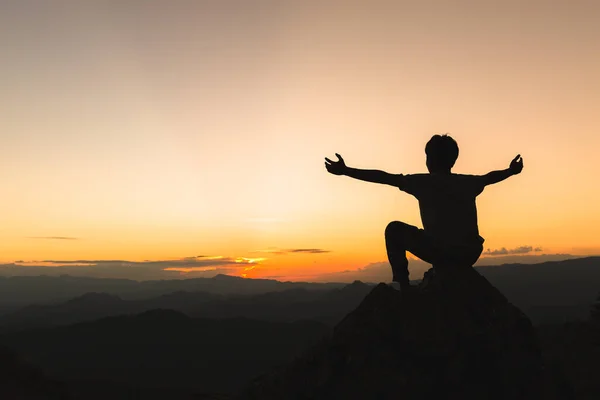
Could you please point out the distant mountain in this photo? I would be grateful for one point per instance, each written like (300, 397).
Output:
(161, 354)
(327, 306)
(88, 307)
(163, 349)
(549, 291)
(546, 292)
(20, 291)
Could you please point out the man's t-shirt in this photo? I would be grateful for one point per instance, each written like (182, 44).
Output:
(447, 205)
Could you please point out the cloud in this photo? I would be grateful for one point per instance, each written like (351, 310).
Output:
(311, 251)
(504, 251)
(191, 269)
(53, 238)
(186, 262)
(81, 262)
(274, 250)
(204, 266)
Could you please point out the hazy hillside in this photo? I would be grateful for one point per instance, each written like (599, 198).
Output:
(546, 292)
(19, 291)
(549, 291)
(164, 348)
(165, 354)
(327, 306)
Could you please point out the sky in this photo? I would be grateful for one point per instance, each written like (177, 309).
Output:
(187, 138)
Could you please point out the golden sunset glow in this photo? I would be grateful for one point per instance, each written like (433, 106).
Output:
(151, 133)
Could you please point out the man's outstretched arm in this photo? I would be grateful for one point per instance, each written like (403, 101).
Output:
(516, 166)
(368, 175)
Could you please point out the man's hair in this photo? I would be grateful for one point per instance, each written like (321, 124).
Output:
(442, 151)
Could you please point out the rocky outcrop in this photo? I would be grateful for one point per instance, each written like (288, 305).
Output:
(454, 336)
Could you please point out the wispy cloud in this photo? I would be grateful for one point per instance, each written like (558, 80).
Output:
(186, 262)
(191, 269)
(273, 250)
(517, 250)
(139, 270)
(52, 238)
(311, 251)
(244, 260)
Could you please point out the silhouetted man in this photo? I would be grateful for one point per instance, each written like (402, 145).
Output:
(450, 236)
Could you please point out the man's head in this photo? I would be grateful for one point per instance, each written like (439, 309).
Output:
(442, 152)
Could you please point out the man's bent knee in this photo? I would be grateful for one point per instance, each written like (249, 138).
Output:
(397, 228)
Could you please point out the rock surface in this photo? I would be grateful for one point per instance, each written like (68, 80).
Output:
(454, 336)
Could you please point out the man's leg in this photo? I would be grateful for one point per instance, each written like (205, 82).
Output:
(462, 255)
(401, 237)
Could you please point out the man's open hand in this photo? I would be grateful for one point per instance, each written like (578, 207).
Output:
(336, 167)
(516, 165)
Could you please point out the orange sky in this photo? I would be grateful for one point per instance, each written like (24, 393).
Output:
(153, 130)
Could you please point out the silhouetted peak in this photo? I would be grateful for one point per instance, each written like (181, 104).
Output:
(357, 284)
(357, 288)
(453, 336)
